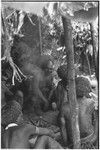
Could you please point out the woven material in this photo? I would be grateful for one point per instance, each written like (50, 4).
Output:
(10, 113)
(83, 87)
(87, 145)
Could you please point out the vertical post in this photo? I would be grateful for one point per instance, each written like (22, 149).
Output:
(89, 68)
(71, 82)
(94, 44)
(40, 36)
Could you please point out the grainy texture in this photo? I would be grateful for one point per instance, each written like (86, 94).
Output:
(10, 113)
(83, 87)
(71, 82)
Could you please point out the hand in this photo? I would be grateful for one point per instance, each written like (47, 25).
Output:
(54, 106)
(51, 133)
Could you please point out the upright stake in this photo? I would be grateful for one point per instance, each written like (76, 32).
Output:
(40, 35)
(94, 44)
(71, 82)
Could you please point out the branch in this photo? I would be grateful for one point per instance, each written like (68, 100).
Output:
(7, 55)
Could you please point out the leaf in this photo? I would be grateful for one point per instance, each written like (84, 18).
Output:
(89, 49)
(21, 20)
(71, 7)
(29, 17)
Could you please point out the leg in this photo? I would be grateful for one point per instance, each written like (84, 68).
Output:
(46, 142)
(41, 142)
(52, 144)
(63, 130)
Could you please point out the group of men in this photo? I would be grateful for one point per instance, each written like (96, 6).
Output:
(26, 135)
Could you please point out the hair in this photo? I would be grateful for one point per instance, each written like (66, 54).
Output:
(62, 72)
(83, 87)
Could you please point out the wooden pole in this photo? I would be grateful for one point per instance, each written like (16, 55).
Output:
(94, 44)
(40, 36)
(71, 82)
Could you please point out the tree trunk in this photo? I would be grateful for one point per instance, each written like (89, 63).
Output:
(97, 67)
(94, 45)
(88, 63)
(40, 36)
(71, 82)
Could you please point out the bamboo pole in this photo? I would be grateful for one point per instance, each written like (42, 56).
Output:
(40, 36)
(71, 82)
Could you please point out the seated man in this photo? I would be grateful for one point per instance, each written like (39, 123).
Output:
(59, 95)
(12, 111)
(86, 108)
(28, 136)
(86, 103)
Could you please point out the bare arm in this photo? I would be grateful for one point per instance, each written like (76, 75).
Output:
(44, 131)
(63, 130)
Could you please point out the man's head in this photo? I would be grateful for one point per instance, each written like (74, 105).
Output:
(62, 72)
(83, 87)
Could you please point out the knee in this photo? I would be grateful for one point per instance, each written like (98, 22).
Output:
(44, 138)
(62, 121)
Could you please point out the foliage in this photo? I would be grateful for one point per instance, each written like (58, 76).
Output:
(82, 39)
(12, 22)
(53, 42)
(69, 8)
(52, 35)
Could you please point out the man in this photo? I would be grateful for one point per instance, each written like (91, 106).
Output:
(28, 136)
